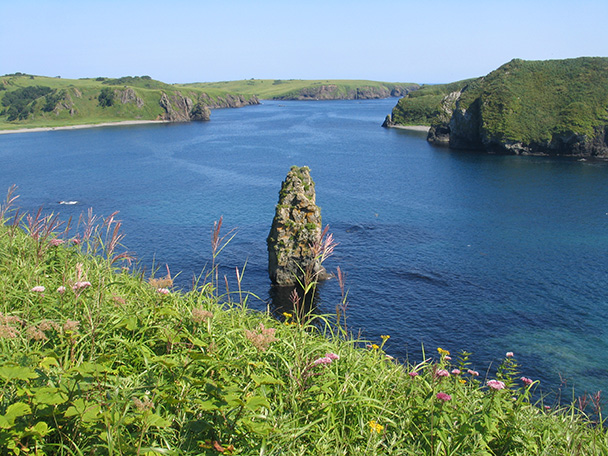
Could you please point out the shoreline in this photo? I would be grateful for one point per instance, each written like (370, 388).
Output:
(79, 127)
(412, 127)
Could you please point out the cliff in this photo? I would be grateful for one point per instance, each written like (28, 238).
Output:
(296, 229)
(554, 107)
(337, 92)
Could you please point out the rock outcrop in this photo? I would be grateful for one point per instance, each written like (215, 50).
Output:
(228, 101)
(336, 92)
(296, 230)
(179, 108)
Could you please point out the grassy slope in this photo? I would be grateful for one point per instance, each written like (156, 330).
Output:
(83, 95)
(120, 364)
(279, 88)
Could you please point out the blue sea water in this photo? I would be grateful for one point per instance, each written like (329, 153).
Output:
(441, 248)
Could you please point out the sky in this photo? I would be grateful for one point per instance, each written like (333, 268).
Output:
(180, 41)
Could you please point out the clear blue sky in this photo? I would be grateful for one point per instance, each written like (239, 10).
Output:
(388, 40)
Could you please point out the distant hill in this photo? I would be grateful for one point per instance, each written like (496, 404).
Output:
(28, 101)
(299, 89)
(553, 107)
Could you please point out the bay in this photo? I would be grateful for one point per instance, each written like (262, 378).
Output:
(441, 248)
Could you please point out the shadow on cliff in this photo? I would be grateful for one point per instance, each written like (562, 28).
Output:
(291, 300)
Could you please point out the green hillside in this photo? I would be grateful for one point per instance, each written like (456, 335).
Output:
(28, 101)
(286, 89)
(555, 107)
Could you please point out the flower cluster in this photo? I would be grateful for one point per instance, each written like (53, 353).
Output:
(200, 315)
(327, 359)
(262, 337)
(496, 384)
(444, 397)
(375, 427)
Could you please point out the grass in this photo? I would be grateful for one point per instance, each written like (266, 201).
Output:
(98, 358)
(269, 89)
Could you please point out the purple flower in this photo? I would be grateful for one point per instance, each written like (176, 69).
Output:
(55, 242)
(527, 381)
(38, 289)
(79, 285)
(509, 355)
(496, 384)
(444, 397)
(163, 291)
(413, 374)
(61, 289)
(332, 356)
(442, 373)
(323, 360)
(456, 371)
(473, 373)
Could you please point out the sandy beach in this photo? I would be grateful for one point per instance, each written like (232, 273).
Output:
(77, 127)
(412, 127)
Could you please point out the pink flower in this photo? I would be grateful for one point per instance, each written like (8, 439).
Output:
(456, 371)
(76, 241)
(38, 289)
(496, 384)
(444, 397)
(61, 289)
(80, 285)
(324, 360)
(332, 356)
(442, 373)
(448, 358)
(509, 355)
(55, 242)
(473, 373)
(164, 291)
(413, 374)
(527, 381)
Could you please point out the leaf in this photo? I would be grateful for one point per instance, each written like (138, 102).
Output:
(17, 373)
(266, 380)
(47, 362)
(158, 421)
(13, 412)
(255, 402)
(49, 396)
(87, 411)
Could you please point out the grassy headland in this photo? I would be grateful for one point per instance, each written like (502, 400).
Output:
(28, 101)
(298, 89)
(537, 107)
(96, 359)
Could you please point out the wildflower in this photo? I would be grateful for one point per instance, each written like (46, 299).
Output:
(323, 360)
(442, 373)
(374, 346)
(496, 384)
(509, 355)
(262, 337)
(80, 285)
(38, 289)
(441, 351)
(462, 380)
(61, 289)
(71, 326)
(472, 372)
(163, 291)
(287, 315)
(456, 371)
(413, 374)
(47, 325)
(527, 381)
(199, 315)
(385, 337)
(55, 242)
(76, 241)
(444, 397)
(448, 358)
(35, 333)
(120, 301)
(332, 356)
(8, 332)
(378, 428)
(144, 405)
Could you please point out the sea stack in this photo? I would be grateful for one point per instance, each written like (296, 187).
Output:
(296, 229)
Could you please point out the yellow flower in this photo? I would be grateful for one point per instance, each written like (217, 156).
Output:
(287, 315)
(375, 346)
(385, 337)
(376, 427)
(462, 380)
(442, 351)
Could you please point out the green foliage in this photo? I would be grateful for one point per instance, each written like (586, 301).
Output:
(106, 97)
(103, 361)
(18, 103)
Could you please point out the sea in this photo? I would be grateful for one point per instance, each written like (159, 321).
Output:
(469, 252)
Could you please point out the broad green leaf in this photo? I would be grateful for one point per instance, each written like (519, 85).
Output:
(17, 373)
(266, 380)
(255, 402)
(47, 362)
(157, 420)
(49, 396)
(15, 411)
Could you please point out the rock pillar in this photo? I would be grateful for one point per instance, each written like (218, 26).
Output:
(296, 229)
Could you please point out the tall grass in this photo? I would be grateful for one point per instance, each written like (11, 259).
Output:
(99, 359)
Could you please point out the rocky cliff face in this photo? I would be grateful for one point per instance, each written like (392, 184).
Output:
(296, 228)
(228, 101)
(179, 108)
